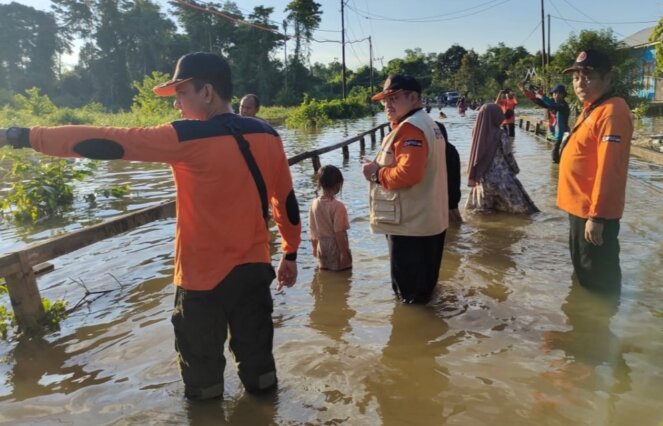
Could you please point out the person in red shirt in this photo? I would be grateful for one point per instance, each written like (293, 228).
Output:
(223, 265)
(508, 102)
(592, 173)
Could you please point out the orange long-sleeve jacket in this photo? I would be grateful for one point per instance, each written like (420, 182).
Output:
(410, 150)
(594, 164)
(219, 213)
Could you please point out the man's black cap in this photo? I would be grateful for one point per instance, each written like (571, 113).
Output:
(590, 60)
(396, 83)
(207, 67)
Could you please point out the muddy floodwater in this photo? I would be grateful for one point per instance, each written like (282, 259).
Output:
(507, 340)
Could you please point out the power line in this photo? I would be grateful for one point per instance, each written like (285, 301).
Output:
(273, 22)
(601, 23)
(538, 24)
(560, 13)
(433, 19)
(213, 11)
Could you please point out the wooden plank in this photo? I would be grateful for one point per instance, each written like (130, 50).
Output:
(24, 296)
(59, 246)
(316, 163)
(309, 154)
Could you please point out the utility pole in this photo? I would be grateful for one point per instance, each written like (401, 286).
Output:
(370, 49)
(543, 39)
(548, 61)
(285, 51)
(343, 44)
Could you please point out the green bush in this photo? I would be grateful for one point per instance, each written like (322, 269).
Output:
(149, 109)
(41, 187)
(55, 312)
(313, 113)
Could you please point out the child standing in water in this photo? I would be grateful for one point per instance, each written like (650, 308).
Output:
(328, 223)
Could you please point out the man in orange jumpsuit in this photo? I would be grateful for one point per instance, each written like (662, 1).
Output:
(223, 265)
(592, 173)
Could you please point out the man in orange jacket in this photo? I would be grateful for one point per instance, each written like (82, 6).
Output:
(408, 190)
(223, 265)
(592, 173)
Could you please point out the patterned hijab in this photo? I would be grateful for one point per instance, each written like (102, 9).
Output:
(485, 140)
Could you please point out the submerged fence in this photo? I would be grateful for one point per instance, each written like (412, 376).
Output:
(18, 267)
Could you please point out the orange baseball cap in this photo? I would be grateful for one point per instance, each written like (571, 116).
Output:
(397, 83)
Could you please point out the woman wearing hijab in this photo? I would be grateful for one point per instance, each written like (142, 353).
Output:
(492, 170)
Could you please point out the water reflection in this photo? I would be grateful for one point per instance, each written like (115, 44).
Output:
(593, 356)
(331, 314)
(410, 382)
(493, 252)
(245, 410)
(43, 368)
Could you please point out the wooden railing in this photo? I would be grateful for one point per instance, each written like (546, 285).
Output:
(17, 268)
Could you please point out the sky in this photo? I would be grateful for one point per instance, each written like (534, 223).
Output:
(435, 25)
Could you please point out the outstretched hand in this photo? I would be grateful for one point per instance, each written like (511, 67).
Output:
(286, 274)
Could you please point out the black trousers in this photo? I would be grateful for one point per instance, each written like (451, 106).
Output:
(510, 129)
(241, 305)
(415, 265)
(596, 267)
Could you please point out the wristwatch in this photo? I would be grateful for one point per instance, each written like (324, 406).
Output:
(375, 176)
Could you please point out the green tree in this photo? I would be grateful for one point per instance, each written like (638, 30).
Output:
(254, 70)
(304, 17)
(29, 42)
(657, 35)
(498, 62)
(124, 40)
(415, 64)
(448, 63)
(207, 31)
(468, 78)
(149, 36)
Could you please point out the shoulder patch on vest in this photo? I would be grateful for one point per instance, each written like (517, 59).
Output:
(413, 142)
(612, 138)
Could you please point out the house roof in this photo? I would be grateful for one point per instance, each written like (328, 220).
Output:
(640, 39)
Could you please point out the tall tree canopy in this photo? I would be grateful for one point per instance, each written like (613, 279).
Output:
(29, 44)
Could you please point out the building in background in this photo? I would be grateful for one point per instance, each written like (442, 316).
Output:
(652, 84)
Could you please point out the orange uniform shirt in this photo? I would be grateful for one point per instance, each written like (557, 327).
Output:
(410, 151)
(594, 163)
(506, 104)
(219, 213)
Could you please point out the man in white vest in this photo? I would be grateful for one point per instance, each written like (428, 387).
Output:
(408, 190)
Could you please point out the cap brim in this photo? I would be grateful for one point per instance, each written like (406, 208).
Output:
(577, 68)
(384, 94)
(169, 88)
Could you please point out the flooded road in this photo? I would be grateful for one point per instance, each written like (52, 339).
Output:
(507, 340)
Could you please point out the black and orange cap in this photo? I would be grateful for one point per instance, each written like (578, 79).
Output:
(207, 67)
(590, 60)
(397, 83)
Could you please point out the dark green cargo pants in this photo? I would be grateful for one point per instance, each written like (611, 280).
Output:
(240, 306)
(596, 267)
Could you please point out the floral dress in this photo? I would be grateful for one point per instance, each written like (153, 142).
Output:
(499, 189)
